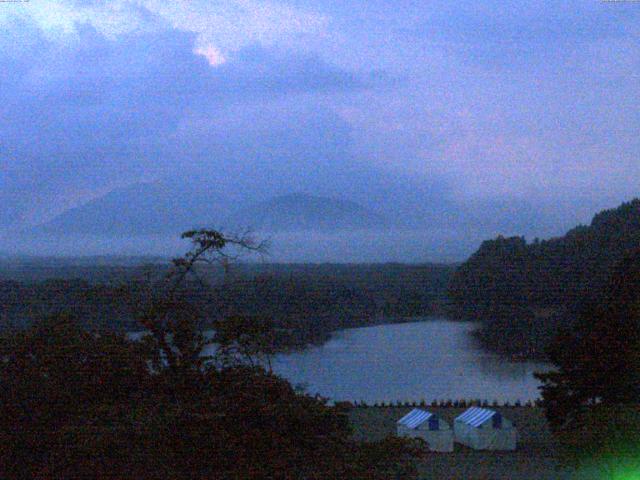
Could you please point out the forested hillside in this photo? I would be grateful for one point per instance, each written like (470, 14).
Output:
(305, 302)
(522, 292)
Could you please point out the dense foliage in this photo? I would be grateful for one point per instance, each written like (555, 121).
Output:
(78, 404)
(305, 302)
(84, 403)
(522, 292)
(603, 441)
(598, 357)
(592, 397)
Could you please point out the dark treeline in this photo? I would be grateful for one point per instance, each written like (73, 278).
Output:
(523, 292)
(93, 269)
(305, 302)
(78, 403)
(598, 354)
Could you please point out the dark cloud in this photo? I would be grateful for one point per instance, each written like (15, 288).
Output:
(526, 110)
(98, 112)
(256, 71)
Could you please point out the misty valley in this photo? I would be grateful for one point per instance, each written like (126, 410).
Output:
(311, 305)
(319, 240)
(489, 332)
(521, 294)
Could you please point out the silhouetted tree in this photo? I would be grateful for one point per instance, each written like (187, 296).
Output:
(547, 280)
(93, 405)
(598, 357)
(56, 375)
(165, 310)
(245, 340)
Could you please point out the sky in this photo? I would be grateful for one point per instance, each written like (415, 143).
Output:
(521, 117)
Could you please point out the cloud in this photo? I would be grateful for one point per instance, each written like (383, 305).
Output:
(81, 116)
(226, 27)
(499, 102)
(213, 55)
(517, 33)
(233, 25)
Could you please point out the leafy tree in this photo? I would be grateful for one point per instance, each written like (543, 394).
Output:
(540, 285)
(245, 340)
(165, 310)
(598, 358)
(603, 441)
(53, 375)
(84, 404)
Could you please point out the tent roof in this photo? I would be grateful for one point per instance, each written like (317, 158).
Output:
(415, 418)
(476, 416)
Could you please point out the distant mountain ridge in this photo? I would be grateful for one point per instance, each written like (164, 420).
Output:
(302, 212)
(161, 208)
(140, 209)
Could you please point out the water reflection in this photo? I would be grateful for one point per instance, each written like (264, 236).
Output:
(435, 359)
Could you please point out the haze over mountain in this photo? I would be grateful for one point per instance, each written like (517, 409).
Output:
(149, 209)
(454, 122)
(413, 221)
(302, 212)
(140, 209)
(416, 224)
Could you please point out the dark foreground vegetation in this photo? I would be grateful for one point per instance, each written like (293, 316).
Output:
(305, 302)
(576, 300)
(88, 403)
(538, 456)
(603, 446)
(523, 293)
(76, 404)
(598, 355)
(592, 398)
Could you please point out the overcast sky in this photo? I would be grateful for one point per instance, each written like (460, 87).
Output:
(486, 102)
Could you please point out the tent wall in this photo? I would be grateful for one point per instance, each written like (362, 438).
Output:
(463, 433)
(440, 440)
(486, 437)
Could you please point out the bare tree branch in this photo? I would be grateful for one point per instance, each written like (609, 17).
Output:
(158, 312)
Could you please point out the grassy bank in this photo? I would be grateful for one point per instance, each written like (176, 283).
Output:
(536, 457)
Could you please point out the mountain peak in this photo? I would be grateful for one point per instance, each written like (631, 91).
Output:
(301, 211)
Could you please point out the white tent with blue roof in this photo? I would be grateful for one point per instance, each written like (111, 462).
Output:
(485, 429)
(429, 427)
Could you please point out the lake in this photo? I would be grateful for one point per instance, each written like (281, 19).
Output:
(432, 359)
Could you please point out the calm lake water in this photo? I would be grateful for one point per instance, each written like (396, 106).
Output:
(434, 359)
